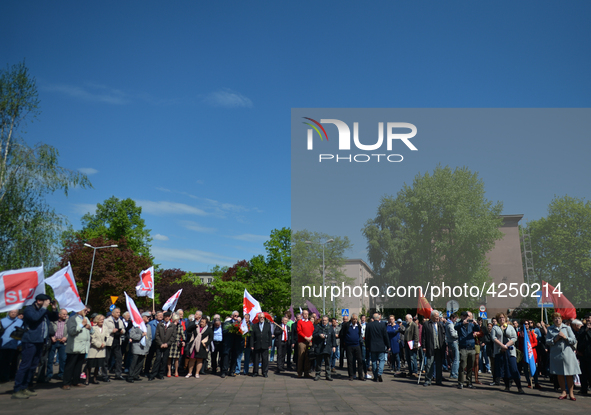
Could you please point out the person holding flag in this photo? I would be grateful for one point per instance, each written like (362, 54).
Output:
(527, 343)
(141, 341)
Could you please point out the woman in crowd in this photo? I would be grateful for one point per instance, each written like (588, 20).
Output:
(198, 344)
(563, 362)
(175, 347)
(394, 335)
(505, 337)
(533, 340)
(97, 352)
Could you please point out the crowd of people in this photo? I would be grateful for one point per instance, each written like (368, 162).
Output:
(84, 348)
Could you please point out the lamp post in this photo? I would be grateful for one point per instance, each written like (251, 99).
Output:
(323, 291)
(92, 265)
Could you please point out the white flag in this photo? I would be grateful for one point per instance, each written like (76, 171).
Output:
(136, 317)
(65, 290)
(146, 285)
(19, 287)
(243, 327)
(170, 304)
(250, 305)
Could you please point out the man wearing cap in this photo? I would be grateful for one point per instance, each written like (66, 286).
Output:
(139, 350)
(36, 319)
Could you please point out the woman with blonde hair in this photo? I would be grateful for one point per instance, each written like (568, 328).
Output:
(176, 346)
(563, 362)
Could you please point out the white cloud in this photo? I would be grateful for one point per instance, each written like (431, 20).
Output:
(84, 208)
(91, 92)
(164, 207)
(194, 226)
(228, 99)
(159, 237)
(88, 170)
(209, 258)
(249, 237)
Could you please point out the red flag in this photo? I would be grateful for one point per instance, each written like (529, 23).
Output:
(561, 303)
(424, 308)
(267, 316)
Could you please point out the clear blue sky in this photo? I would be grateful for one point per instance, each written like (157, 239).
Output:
(185, 106)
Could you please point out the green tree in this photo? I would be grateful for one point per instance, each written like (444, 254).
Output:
(439, 229)
(29, 227)
(307, 264)
(561, 247)
(116, 219)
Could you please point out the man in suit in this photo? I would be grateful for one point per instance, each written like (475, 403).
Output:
(433, 337)
(294, 340)
(165, 335)
(411, 334)
(116, 329)
(283, 343)
(324, 343)
(378, 344)
(343, 346)
(137, 349)
(351, 336)
(260, 343)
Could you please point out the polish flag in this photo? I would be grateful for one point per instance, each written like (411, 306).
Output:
(146, 285)
(170, 304)
(19, 287)
(250, 305)
(136, 317)
(65, 290)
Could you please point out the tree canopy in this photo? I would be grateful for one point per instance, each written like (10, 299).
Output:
(29, 227)
(438, 229)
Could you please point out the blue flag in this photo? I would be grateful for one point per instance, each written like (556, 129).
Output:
(528, 352)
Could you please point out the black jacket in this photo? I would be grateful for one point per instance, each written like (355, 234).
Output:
(376, 337)
(428, 335)
(279, 334)
(323, 345)
(260, 340)
(165, 334)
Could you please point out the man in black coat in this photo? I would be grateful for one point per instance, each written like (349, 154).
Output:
(378, 344)
(433, 337)
(283, 344)
(324, 342)
(351, 336)
(260, 343)
(165, 336)
(294, 340)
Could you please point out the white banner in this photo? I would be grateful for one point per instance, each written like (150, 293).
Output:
(18, 288)
(65, 290)
(136, 317)
(146, 285)
(250, 305)
(170, 304)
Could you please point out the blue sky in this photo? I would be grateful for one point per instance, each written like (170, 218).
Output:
(185, 106)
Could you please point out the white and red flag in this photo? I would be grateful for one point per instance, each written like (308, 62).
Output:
(250, 305)
(65, 290)
(19, 287)
(136, 317)
(170, 304)
(243, 326)
(146, 285)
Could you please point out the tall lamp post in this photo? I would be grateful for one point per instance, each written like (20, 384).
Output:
(323, 291)
(92, 266)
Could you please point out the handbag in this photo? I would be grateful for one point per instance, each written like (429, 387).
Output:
(18, 333)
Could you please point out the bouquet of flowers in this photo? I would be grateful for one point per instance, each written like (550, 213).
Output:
(235, 329)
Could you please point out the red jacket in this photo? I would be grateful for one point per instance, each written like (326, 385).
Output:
(305, 329)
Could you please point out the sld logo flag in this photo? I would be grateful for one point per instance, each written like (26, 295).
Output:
(19, 288)
(393, 131)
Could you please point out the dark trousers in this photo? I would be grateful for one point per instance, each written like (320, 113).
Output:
(150, 358)
(30, 354)
(508, 369)
(8, 364)
(342, 355)
(585, 373)
(466, 362)
(326, 359)
(281, 353)
(115, 351)
(354, 360)
(60, 349)
(260, 355)
(73, 369)
(435, 363)
(137, 362)
(215, 356)
(158, 370)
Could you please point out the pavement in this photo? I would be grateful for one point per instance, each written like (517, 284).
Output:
(286, 394)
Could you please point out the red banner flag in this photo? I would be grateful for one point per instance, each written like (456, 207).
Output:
(561, 303)
(424, 308)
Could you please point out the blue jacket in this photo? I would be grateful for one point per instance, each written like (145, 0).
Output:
(9, 326)
(153, 324)
(466, 334)
(37, 321)
(394, 335)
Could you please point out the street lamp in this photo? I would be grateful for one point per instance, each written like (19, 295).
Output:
(92, 266)
(323, 291)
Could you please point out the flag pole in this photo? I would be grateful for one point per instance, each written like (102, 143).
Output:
(153, 301)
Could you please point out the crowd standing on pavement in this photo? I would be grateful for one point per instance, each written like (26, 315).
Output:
(44, 343)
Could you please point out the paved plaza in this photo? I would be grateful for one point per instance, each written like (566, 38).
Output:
(285, 394)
